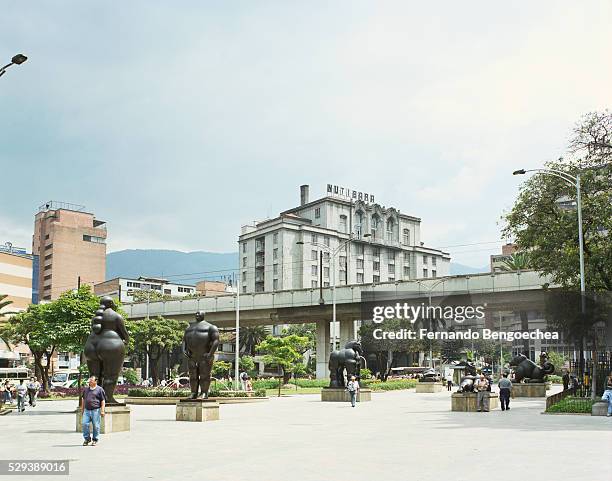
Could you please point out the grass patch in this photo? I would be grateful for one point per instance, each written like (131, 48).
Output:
(572, 404)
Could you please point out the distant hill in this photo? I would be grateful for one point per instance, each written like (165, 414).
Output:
(177, 266)
(191, 267)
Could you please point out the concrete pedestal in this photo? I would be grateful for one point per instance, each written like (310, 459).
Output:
(429, 387)
(466, 402)
(599, 408)
(529, 389)
(197, 410)
(338, 394)
(116, 419)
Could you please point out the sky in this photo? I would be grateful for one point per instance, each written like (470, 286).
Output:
(179, 122)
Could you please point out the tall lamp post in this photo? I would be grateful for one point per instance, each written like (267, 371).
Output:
(429, 291)
(16, 60)
(332, 254)
(574, 181)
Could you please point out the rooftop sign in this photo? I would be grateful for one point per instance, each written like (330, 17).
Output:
(349, 194)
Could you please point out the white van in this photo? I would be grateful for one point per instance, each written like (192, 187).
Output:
(65, 378)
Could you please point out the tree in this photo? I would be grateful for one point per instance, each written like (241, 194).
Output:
(4, 302)
(519, 261)
(285, 353)
(247, 364)
(150, 295)
(250, 337)
(156, 337)
(221, 369)
(549, 232)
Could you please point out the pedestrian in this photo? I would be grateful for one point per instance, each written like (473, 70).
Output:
(566, 380)
(94, 402)
(32, 391)
(353, 389)
(243, 379)
(37, 386)
(505, 388)
(249, 384)
(21, 394)
(449, 382)
(8, 399)
(482, 395)
(607, 395)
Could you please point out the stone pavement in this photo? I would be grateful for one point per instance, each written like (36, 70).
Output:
(399, 435)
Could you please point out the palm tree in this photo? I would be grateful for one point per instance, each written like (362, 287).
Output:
(3, 303)
(519, 261)
(250, 337)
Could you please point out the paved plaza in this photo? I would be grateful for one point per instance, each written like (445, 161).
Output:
(399, 435)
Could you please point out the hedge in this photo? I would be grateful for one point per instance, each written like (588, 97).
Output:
(143, 392)
(572, 404)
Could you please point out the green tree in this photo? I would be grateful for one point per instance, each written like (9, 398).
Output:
(284, 353)
(250, 337)
(519, 261)
(151, 295)
(4, 302)
(155, 337)
(549, 232)
(247, 364)
(221, 369)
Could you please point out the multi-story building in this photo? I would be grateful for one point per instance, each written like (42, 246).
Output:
(344, 234)
(71, 246)
(15, 278)
(124, 288)
(498, 261)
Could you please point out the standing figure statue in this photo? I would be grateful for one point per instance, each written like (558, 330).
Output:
(199, 346)
(105, 347)
(348, 358)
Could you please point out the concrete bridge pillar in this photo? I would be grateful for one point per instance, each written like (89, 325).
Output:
(347, 332)
(323, 341)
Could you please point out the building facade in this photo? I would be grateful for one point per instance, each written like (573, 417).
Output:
(345, 236)
(15, 278)
(498, 261)
(71, 247)
(124, 288)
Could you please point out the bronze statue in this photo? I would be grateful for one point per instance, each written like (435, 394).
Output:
(525, 370)
(466, 384)
(105, 347)
(200, 343)
(348, 358)
(430, 376)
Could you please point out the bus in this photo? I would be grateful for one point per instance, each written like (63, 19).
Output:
(15, 374)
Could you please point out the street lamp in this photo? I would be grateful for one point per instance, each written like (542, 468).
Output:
(332, 255)
(16, 60)
(429, 291)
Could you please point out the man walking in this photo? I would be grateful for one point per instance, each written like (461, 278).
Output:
(449, 382)
(482, 396)
(94, 402)
(353, 389)
(566, 380)
(21, 394)
(505, 388)
(32, 391)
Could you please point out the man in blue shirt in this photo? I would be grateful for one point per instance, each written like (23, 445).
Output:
(94, 401)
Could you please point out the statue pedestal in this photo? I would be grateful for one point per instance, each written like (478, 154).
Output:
(529, 389)
(340, 394)
(466, 402)
(600, 408)
(116, 419)
(429, 387)
(197, 410)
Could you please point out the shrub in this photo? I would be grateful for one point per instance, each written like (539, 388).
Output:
(572, 404)
(260, 392)
(392, 385)
(554, 378)
(130, 376)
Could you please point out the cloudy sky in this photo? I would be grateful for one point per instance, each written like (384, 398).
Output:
(178, 122)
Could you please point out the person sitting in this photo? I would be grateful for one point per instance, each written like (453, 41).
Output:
(607, 395)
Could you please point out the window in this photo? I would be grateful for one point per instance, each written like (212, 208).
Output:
(48, 246)
(314, 284)
(314, 255)
(359, 263)
(376, 252)
(434, 274)
(391, 279)
(168, 291)
(342, 225)
(326, 256)
(406, 237)
(275, 238)
(424, 259)
(275, 284)
(314, 238)
(317, 212)
(406, 258)
(244, 275)
(314, 270)
(326, 284)
(326, 272)
(342, 262)
(47, 267)
(244, 247)
(275, 254)
(406, 271)
(391, 268)
(376, 266)
(360, 277)
(94, 239)
(47, 236)
(390, 229)
(433, 261)
(47, 277)
(359, 249)
(259, 287)
(391, 256)
(375, 278)
(260, 244)
(424, 272)
(244, 289)
(244, 262)
(275, 269)
(326, 240)
(374, 226)
(49, 256)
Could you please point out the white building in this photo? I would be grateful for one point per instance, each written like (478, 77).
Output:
(371, 244)
(123, 288)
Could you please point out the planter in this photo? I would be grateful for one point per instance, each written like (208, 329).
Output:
(334, 394)
(529, 389)
(466, 402)
(167, 401)
(429, 387)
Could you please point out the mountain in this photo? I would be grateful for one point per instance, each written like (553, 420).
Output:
(191, 267)
(460, 269)
(176, 266)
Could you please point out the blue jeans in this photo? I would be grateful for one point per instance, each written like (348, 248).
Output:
(20, 403)
(353, 397)
(607, 396)
(91, 416)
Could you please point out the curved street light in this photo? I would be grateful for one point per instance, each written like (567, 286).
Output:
(16, 60)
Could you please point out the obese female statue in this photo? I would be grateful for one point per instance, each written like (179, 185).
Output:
(105, 346)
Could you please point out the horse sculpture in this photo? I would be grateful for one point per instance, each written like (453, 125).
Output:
(525, 370)
(348, 358)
